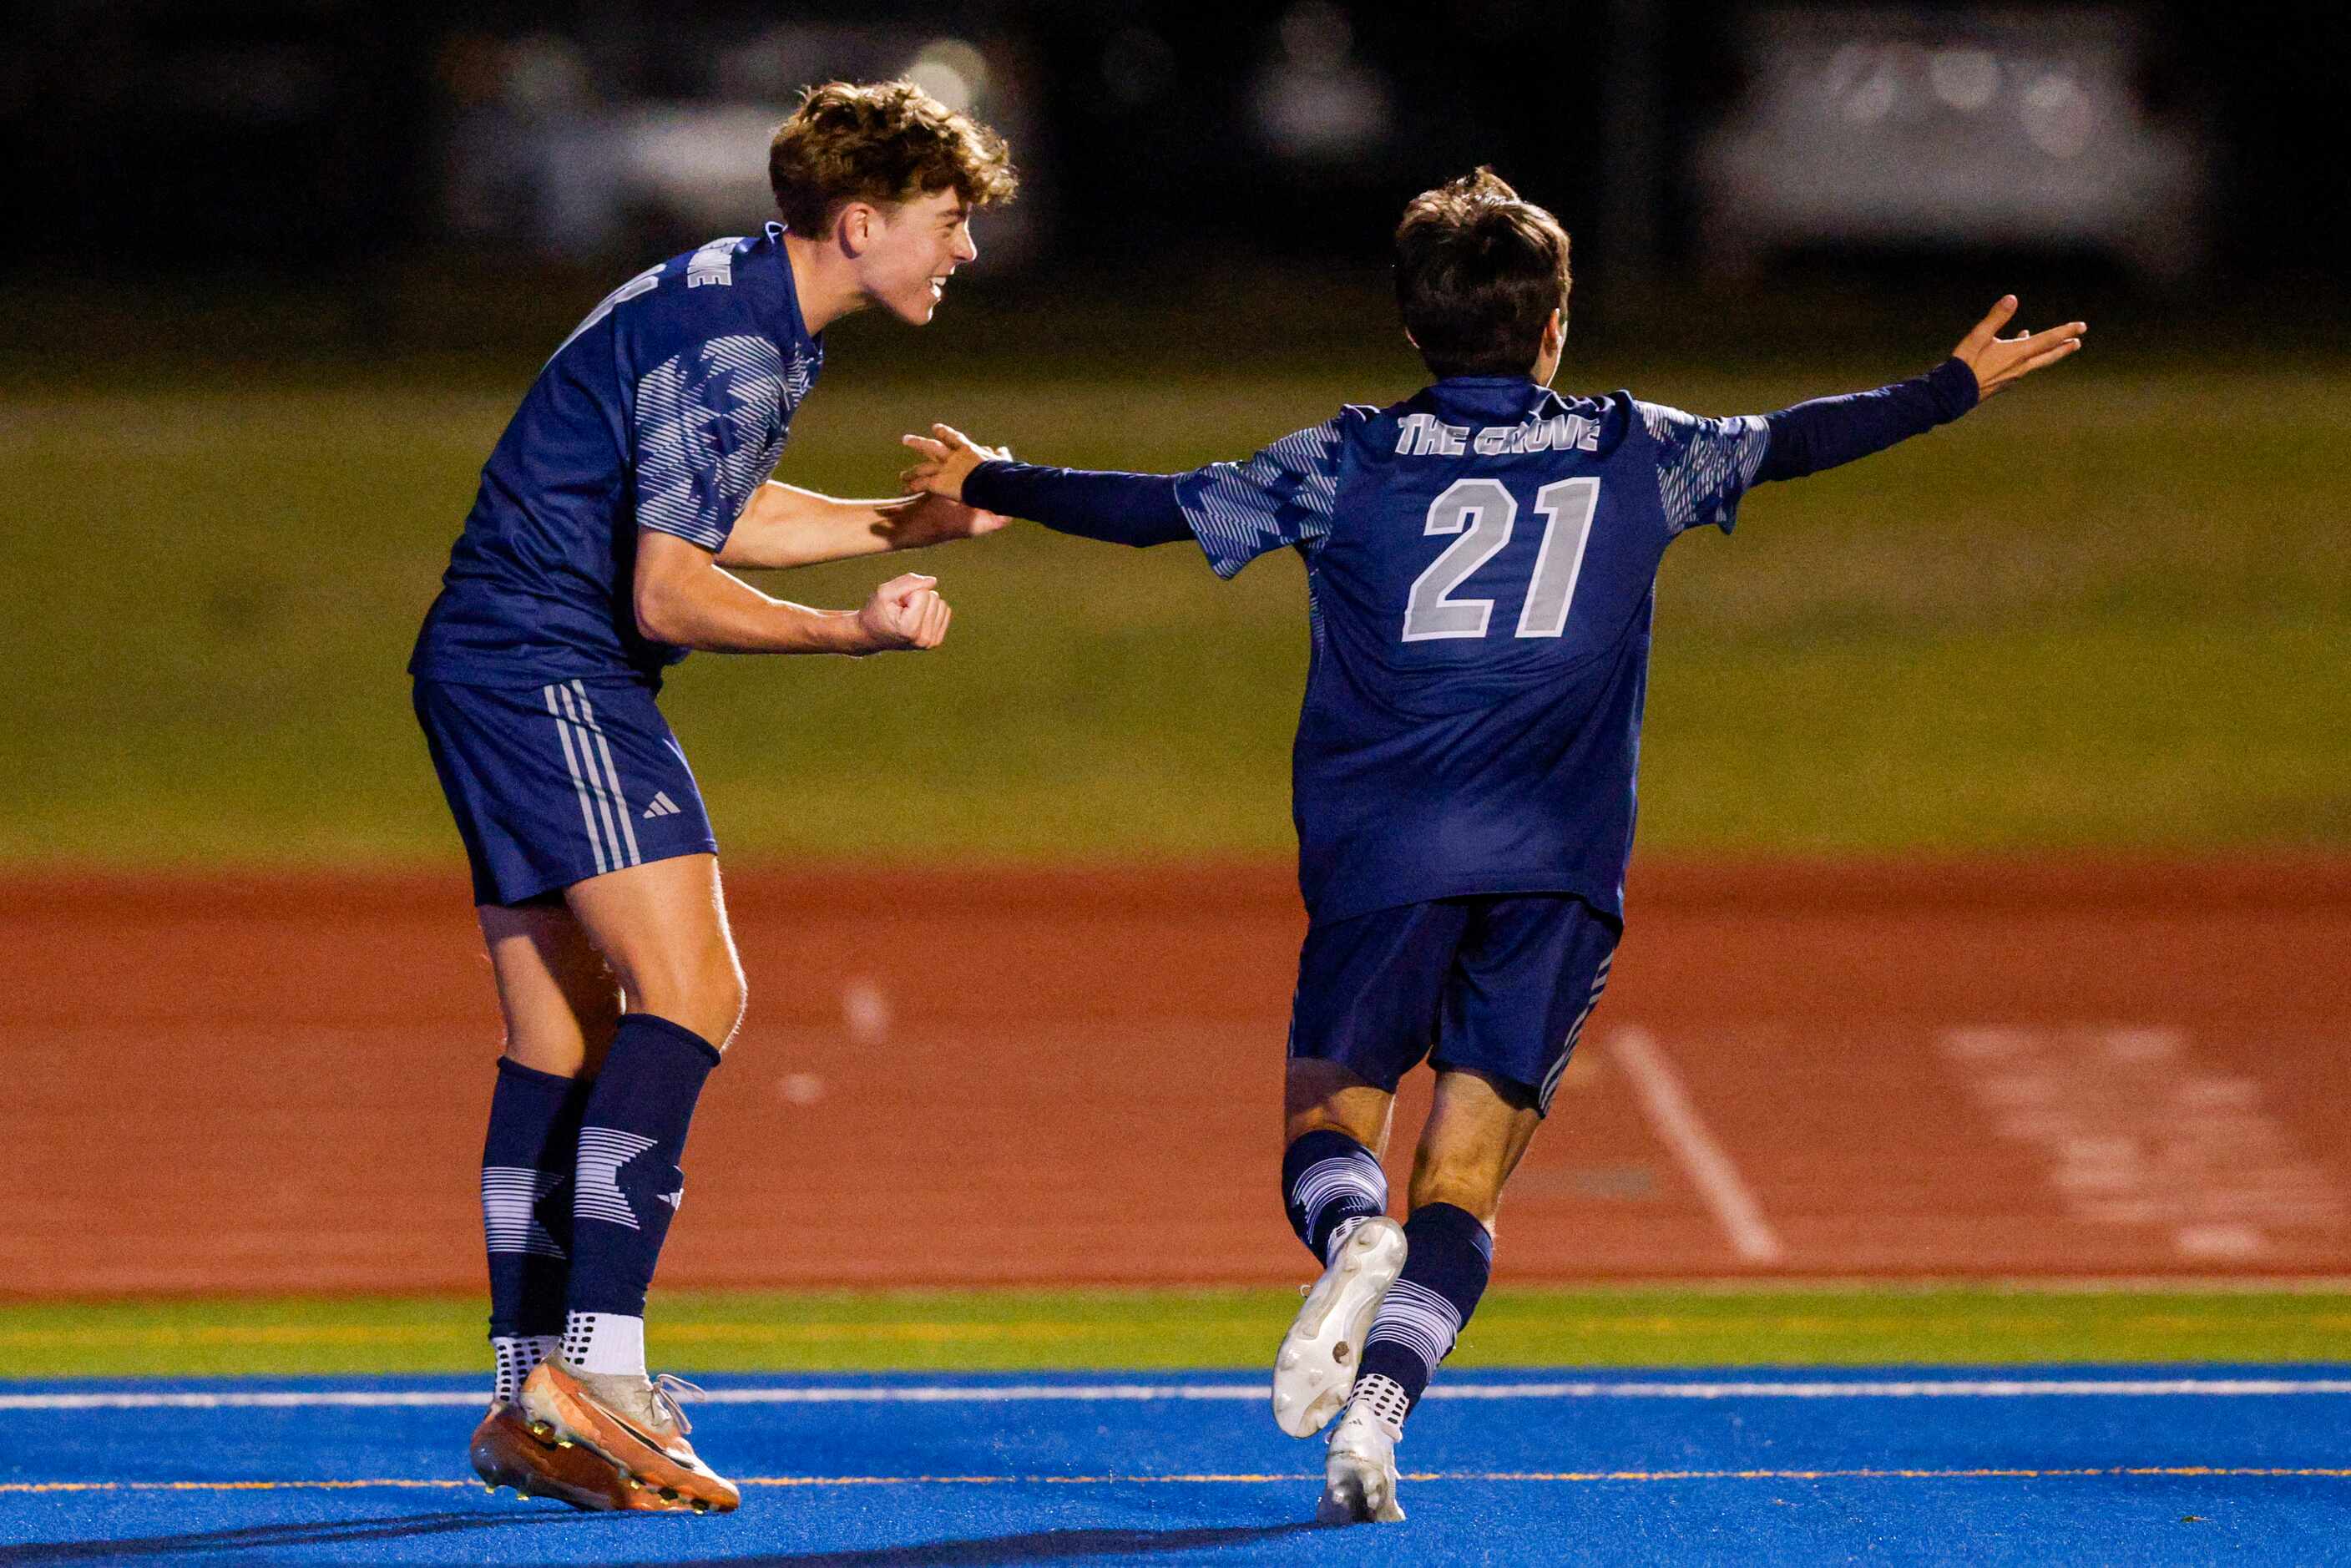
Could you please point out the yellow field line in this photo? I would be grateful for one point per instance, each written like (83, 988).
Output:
(1252, 1478)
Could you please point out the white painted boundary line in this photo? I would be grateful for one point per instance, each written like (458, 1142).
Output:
(1676, 1122)
(1132, 1392)
(2266, 1472)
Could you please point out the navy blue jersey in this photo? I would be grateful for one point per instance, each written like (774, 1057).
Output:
(664, 408)
(1479, 564)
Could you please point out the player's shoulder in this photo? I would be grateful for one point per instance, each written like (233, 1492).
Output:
(716, 287)
(1353, 422)
(733, 287)
(1669, 426)
(1318, 448)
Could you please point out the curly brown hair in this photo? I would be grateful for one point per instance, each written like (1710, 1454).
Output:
(880, 142)
(1477, 273)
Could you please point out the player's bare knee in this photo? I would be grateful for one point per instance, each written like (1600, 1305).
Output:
(733, 999)
(706, 995)
(723, 996)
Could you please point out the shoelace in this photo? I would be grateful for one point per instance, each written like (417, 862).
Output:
(667, 1389)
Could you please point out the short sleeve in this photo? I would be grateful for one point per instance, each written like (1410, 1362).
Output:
(709, 427)
(1280, 499)
(1704, 465)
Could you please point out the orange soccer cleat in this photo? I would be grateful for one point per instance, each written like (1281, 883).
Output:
(505, 1454)
(636, 1425)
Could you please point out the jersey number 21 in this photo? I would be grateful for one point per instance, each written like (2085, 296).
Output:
(1483, 511)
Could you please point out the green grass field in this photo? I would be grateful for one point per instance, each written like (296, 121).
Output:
(1040, 1330)
(2108, 611)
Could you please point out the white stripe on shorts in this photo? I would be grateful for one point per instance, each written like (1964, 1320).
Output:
(587, 809)
(611, 806)
(611, 774)
(1575, 1032)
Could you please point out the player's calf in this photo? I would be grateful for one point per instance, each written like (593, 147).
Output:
(1449, 1257)
(1336, 1195)
(627, 1187)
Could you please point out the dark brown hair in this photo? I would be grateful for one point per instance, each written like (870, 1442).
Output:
(1477, 273)
(880, 142)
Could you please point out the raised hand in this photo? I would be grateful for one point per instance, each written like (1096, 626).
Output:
(947, 458)
(904, 612)
(2000, 362)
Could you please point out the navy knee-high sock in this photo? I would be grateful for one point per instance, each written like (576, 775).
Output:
(526, 1162)
(1327, 1180)
(629, 1185)
(1445, 1271)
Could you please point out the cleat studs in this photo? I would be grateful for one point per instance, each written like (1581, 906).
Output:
(565, 1443)
(635, 1485)
(1341, 1352)
(541, 1431)
(700, 1505)
(669, 1494)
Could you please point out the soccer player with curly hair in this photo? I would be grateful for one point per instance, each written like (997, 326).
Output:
(634, 475)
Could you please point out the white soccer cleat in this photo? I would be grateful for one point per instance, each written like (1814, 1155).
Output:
(1359, 1473)
(1315, 1367)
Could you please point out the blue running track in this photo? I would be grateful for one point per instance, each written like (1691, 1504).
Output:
(2104, 1465)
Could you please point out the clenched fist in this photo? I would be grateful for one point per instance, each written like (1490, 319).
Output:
(904, 612)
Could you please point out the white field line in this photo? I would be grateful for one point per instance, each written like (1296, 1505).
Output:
(1676, 1122)
(2268, 1472)
(1134, 1392)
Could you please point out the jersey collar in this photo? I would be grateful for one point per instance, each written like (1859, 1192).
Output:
(1489, 397)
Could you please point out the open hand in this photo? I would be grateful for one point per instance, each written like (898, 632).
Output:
(1999, 363)
(904, 612)
(947, 458)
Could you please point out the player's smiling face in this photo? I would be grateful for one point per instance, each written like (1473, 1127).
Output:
(911, 252)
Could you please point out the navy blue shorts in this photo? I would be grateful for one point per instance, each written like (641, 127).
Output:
(552, 785)
(1498, 984)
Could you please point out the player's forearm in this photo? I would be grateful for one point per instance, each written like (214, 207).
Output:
(1118, 508)
(785, 526)
(714, 611)
(1830, 431)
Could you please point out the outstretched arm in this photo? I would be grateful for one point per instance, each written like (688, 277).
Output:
(683, 597)
(784, 526)
(1119, 508)
(1830, 431)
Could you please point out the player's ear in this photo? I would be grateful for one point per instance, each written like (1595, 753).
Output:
(1554, 337)
(853, 230)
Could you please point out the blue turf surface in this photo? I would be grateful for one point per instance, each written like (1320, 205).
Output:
(1621, 1466)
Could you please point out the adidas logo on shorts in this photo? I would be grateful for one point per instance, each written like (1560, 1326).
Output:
(663, 806)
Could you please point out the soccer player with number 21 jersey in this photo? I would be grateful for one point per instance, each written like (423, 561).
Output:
(1480, 561)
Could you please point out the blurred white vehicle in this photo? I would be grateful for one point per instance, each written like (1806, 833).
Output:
(1884, 126)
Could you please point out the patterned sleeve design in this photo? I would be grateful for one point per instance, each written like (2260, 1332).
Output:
(710, 424)
(1704, 465)
(1280, 499)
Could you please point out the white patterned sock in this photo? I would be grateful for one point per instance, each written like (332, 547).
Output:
(1385, 1400)
(512, 1356)
(605, 1343)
